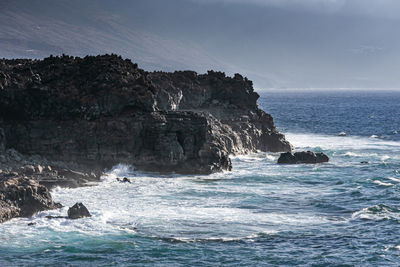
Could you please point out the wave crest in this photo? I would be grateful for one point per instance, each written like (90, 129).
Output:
(378, 212)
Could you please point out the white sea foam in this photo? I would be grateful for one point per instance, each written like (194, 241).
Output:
(378, 213)
(181, 207)
(120, 170)
(254, 157)
(328, 142)
(382, 183)
(394, 179)
(360, 154)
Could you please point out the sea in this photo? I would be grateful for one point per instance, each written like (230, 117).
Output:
(341, 213)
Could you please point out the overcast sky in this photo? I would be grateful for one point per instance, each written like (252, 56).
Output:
(276, 43)
(376, 8)
(297, 43)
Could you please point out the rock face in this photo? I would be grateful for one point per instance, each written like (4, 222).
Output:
(2, 141)
(46, 172)
(21, 197)
(78, 211)
(103, 110)
(25, 181)
(302, 157)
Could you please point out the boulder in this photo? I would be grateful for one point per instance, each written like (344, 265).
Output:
(40, 169)
(28, 170)
(22, 197)
(78, 211)
(302, 157)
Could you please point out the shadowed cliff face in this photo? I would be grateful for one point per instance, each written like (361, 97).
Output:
(104, 110)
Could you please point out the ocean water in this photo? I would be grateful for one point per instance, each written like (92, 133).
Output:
(342, 213)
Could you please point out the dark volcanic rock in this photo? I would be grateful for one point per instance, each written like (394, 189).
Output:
(126, 180)
(302, 157)
(103, 110)
(21, 197)
(94, 112)
(25, 181)
(78, 211)
(231, 104)
(46, 172)
(2, 141)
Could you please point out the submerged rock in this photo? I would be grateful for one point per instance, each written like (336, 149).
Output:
(78, 211)
(124, 180)
(302, 157)
(50, 217)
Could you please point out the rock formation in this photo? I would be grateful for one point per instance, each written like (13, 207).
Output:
(78, 211)
(73, 117)
(103, 110)
(302, 157)
(46, 172)
(22, 197)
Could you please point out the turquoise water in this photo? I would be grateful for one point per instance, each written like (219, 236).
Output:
(336, 214)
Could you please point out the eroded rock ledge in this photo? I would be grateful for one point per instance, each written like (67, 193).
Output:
(71, 118)
(22, 197)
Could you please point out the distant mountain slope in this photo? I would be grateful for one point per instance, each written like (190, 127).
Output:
(35, 29)
(288, 45)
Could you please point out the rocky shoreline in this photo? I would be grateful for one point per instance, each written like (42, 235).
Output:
(25, 183)
(71, 118)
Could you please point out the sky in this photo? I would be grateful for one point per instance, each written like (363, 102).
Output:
(276, 43)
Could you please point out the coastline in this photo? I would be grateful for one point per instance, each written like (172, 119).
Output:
(72, 118)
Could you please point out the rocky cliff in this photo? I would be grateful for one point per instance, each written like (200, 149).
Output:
(104, 110)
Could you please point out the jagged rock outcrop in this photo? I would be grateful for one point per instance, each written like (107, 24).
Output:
(104, 110)
(302, 157)
(78, 211)
(231, 103)
(22, 197)
(47, 172)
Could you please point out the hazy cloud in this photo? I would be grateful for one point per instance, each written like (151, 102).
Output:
(374, 8)
(366, 49)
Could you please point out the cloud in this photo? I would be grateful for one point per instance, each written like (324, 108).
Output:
(373, 8)
(311, 4)
(366, 49)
